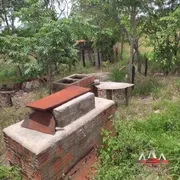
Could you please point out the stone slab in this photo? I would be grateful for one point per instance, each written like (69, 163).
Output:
(38, 142)
(56, 99)
(74, 109)
(113, 85)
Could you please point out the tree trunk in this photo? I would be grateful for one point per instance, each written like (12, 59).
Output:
(97, 59)
(146, 67)
(5, 16)
(19, 72)
(176, 39)
(50, 78)
(136, 47)
(131, 60)
(139, 61)
(132, 42)
(12, 24)
(122, 47)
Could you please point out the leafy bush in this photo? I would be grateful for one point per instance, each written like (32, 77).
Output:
(117, 75)
(120, 153)
(9, 75)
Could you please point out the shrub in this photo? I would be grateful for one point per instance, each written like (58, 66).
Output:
(117, 75)
(9, 75)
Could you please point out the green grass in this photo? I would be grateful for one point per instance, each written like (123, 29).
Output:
(177, 85)
(141, 129)
(8, 173)
(146, 86)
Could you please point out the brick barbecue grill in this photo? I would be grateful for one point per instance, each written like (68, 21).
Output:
(63, 128)
(82, 80)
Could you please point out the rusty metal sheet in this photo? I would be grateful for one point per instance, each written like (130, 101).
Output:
(40, 121)
(56, 99)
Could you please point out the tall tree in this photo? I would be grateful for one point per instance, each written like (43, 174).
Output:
(162, 26)
(8, 8)
(121, 15)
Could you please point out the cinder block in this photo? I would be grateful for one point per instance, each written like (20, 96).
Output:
(74, 109)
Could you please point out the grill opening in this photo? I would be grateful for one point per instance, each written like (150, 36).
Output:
(77, 77)
(66, 81)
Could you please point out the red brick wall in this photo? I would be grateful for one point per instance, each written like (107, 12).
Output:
(51, 164)
(86, 82)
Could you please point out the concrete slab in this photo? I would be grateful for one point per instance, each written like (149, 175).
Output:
(113, 85)
(38, 142)
(74, 109)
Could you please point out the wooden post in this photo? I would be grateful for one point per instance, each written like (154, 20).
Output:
(146, 67)
(83, 57)
(99, 60)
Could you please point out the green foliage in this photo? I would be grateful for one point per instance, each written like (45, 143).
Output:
(54, 44)
(146, 86)
(165, 39)
(120, 153)
(117, 75)
(16, 52)
(9, 173)
(16, 48)
(34, 15)
(9, 76)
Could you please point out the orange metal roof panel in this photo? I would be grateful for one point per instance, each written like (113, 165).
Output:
(56, 99)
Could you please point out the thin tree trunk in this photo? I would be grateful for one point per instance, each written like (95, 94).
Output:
(139, 61)
(131, 60)
(50, 78)
(132, 42)
(146, 67)
(12, 23)
(89, 56)
(176, 39)
(99, 60)
(122, 47)
(19, 72)
(5, 16)
(136, 47)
